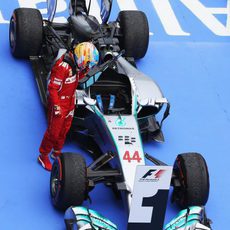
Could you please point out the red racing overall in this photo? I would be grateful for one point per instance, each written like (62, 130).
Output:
(61, 94)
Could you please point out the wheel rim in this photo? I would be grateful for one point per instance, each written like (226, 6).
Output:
(181, 192)
(55, 181)
(12, 33)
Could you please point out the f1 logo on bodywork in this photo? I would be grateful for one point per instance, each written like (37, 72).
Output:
(153, 174)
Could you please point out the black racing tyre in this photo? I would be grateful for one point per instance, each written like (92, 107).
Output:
(192, 172)
(135, 33)
(25, 32)
(68, 181)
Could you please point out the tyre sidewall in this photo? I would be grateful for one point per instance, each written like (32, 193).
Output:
(73, 181)
(28, 32)
(192, 172)
(135, 33)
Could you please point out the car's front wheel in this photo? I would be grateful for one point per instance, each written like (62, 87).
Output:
(192, 172)
(25, 32)
(68, 181)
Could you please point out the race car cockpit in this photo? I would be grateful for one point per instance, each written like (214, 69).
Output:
(112, 92)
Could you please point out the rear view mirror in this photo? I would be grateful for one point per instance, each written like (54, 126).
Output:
(106, 6)
(51, 9)
(143, 102)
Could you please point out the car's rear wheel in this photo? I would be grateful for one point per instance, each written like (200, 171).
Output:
(68, 181)
(25, 32)
(192, 172)
(135, 33)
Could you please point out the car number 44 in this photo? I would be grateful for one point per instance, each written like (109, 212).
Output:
(134, 157)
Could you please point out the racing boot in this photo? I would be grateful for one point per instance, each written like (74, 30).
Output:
(55, 154)
(44, 161)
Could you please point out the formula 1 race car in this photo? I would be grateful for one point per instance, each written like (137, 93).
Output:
(116, 107)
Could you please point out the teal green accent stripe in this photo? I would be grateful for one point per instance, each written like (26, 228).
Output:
(105, 121)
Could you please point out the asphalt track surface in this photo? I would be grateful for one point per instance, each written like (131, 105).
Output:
(193, 72)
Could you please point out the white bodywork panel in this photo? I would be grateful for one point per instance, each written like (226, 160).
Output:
(144, 87)
(149, 181)
(125, 133)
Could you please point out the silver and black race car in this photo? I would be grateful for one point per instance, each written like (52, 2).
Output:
(116, 108)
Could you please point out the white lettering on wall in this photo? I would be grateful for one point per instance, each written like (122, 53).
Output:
(228, 17)
(94, 9)
(2, 20)
(205, 15)
(163, 8)
(61, 7)
(127, 5)
(168, 18)
(32, 4)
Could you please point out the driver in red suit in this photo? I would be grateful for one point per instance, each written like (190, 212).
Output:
(62, 98)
